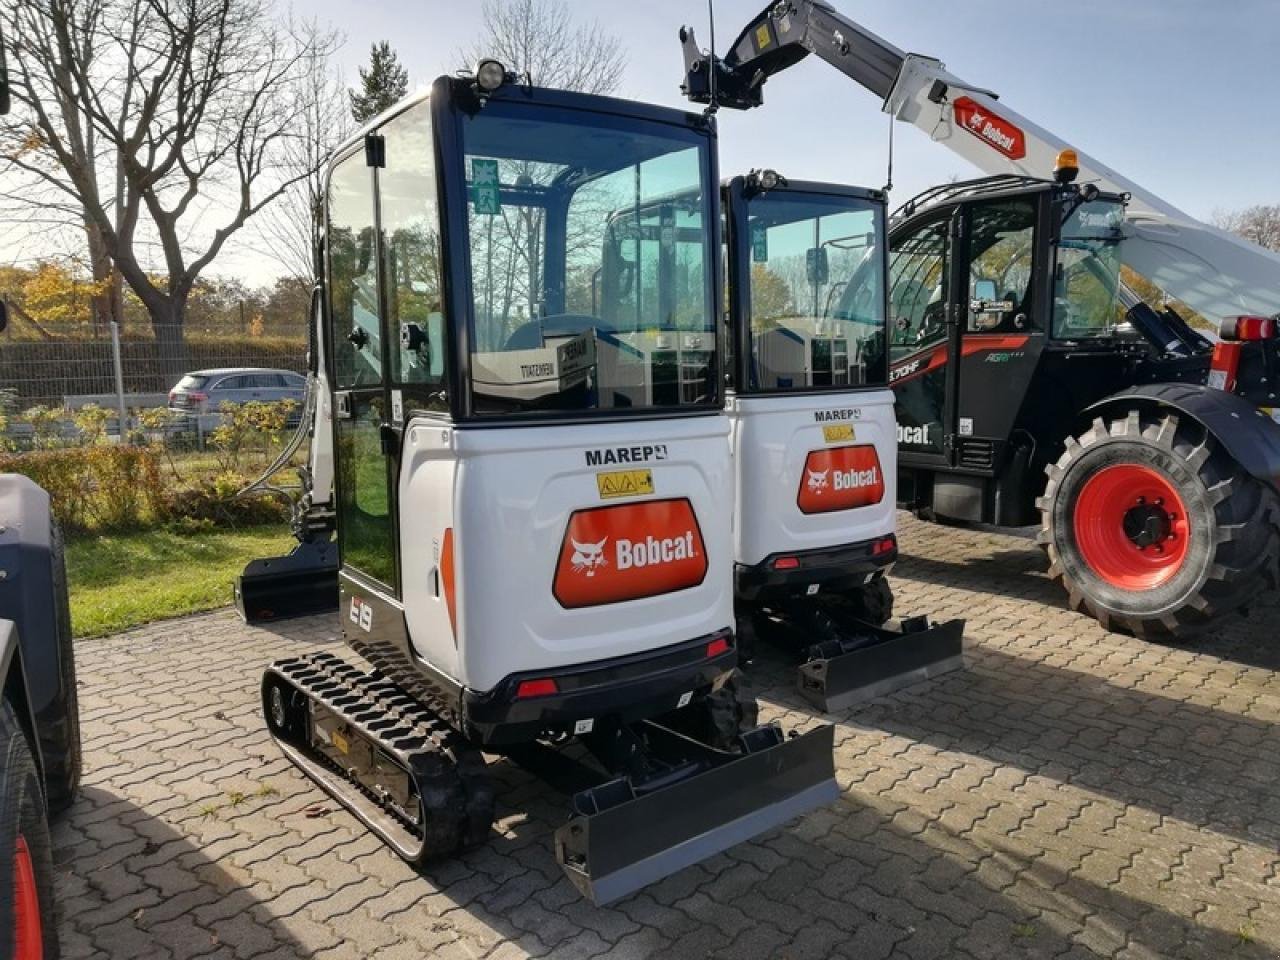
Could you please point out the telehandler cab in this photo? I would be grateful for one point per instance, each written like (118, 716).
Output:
(1032, 381)
(523, 415)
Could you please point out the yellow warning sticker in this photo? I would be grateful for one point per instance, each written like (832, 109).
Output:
(762, 37)
(340, 742)
(838, 433)
(624, 483)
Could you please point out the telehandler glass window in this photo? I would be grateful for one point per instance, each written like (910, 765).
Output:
(1001, 248)
(1087, 275)
(353, 276)
(411, 244)
(590, 272)
(817, 292)
(918, 290)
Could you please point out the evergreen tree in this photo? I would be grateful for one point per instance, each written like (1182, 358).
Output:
(381, 85)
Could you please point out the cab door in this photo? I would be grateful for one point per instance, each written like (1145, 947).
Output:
(923, 337)
(1000, 305)
(364, 456)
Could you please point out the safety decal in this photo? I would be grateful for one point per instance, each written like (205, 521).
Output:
(624, 483)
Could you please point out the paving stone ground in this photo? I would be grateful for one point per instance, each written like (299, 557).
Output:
(1071, 793)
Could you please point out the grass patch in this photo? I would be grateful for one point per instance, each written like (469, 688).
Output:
(119, 581)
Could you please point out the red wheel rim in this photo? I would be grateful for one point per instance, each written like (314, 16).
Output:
(1131, 527)
(28, 938)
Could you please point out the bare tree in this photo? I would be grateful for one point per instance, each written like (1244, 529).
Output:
(290, 230)
(183, 107)
(541, 40)
(1259, 224)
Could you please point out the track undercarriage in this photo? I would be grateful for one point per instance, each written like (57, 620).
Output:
(665, 800)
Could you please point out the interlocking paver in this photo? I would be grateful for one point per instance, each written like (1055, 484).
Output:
(1070, 794)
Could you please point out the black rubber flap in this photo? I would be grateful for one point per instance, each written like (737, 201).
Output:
(616, 852)
(303, 582)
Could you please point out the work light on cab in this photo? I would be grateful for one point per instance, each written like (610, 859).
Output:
(490, 75)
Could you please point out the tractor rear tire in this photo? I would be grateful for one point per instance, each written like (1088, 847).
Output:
(28, 928)
(1154, 529)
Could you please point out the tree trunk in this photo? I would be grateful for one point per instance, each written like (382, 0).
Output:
(171, 347)
(104, 277)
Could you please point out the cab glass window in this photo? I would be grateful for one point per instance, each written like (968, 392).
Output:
(411, 244)
(1087, 276)
(353, 276)
(817, 291)
(1001, 247)
(591, 279)
(918, 277)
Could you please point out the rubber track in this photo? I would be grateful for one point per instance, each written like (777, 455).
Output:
(456, 796)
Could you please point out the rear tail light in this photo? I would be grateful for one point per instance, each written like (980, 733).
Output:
(172, 394)
(717, 646)
(786, 563)
(884, 545)
(198, 397)
(1247, 328)
(542, 687)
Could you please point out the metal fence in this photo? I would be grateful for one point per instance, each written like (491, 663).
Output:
(135, 371)
(68, 371)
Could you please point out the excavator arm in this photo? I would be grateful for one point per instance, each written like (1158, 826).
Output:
(1214, 272)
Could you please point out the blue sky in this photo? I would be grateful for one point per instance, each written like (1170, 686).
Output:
(1176, 94)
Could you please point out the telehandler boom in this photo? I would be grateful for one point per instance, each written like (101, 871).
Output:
(1032, 380)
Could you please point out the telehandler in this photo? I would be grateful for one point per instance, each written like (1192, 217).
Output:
(1033, 382)
(532, 488)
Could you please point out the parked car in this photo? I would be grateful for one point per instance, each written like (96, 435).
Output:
(205, 391)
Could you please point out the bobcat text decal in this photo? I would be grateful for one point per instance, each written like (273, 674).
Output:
(993, 130)
(629, 551)
(841, 478)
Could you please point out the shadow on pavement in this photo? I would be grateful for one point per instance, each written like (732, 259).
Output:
(1208, 767)
(131, 885)
(1021, 574)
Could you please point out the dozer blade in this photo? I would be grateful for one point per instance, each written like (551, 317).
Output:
(622, 838)
(836, 680)
(303, 582)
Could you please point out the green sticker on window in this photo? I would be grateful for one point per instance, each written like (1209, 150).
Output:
(484, 186)
(759, 243)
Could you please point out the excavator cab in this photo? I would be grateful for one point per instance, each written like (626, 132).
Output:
(522, 413)
(814, 438)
